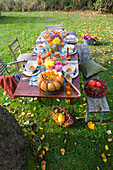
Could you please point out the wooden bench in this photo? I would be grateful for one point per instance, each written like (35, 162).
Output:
(94, 105)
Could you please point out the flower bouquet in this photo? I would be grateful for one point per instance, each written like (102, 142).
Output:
(90, 39)
(61, 116)
(96, 88)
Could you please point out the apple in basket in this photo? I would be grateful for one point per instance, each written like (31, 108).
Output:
(92, 83)
(98, 84)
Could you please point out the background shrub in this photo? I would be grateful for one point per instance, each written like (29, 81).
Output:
(66, 5)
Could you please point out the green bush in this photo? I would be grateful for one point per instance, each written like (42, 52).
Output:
(66, 5)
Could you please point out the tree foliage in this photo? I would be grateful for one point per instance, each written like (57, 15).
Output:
(66, 5)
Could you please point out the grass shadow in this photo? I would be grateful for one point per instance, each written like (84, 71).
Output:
(98, 43)
(32, 19)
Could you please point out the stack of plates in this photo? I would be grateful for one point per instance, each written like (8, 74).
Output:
(71, 39)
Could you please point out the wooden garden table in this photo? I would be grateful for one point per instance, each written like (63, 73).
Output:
(25, 90)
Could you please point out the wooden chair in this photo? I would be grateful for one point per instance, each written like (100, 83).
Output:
(22, 58)
(3, 68)
(54, 27)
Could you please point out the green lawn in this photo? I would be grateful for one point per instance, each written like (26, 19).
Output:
(83, 146)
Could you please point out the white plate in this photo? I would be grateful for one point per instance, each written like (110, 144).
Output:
(27, 73)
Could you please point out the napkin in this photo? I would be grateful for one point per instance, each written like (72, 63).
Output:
(32, 82)
(8, 84)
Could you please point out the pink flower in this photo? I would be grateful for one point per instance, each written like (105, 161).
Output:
(58, 63)
(88, 37)
(58, 67)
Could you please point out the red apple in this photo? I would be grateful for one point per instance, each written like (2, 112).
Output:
(98, 84)
(92, 83)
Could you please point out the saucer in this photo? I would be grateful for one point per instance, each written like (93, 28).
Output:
(27, 73)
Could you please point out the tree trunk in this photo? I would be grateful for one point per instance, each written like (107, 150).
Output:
(80, 3)
(90, 3)
(105, 7)
(13, 143)
(43, 3)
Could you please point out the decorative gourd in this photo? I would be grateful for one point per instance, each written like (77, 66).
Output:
(55, 117)
(61, 118)
(51, 80)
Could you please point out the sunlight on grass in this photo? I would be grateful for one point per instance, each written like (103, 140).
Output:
(79, 146)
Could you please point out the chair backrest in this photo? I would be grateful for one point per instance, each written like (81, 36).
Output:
(3, 67)
(54, 27)
(16, 46)
(14, 43)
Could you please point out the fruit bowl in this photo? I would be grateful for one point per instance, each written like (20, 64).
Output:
(96, 88)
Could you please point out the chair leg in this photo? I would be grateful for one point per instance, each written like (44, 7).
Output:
(87, 114)
(17, 67)
(102, 117)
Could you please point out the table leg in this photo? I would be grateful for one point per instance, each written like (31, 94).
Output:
(39, 99)
(71, 101)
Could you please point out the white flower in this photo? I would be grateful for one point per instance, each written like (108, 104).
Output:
(6, 104)
(109, 132)
(4, 93)
(28, 114)
(31, 100)
(110, 140)
(26, 123)
(35, 98)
